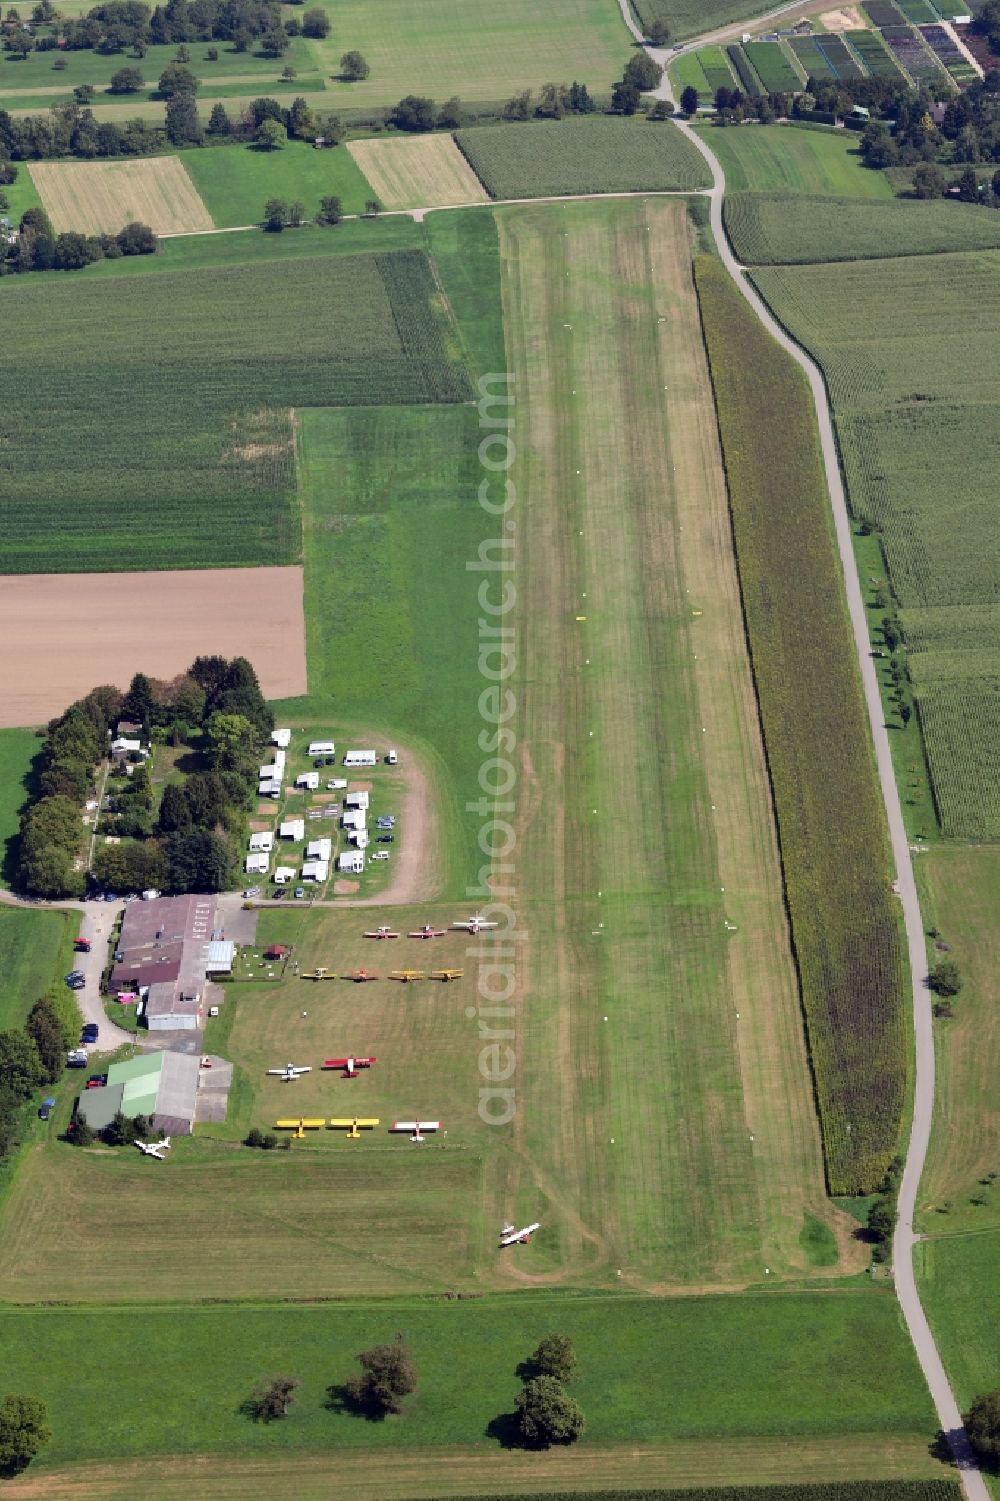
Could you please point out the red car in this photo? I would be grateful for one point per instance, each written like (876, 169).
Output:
(82, 946)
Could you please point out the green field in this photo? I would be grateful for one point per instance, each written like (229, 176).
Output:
(959, 1279)
(773, 67)
(21, 194)
(34, 75)
(784, 159)
(913, 380)
(33, 947)
(18, 748)
(830, 817)
(236, 181)
(591, 154)
(196, 405)
(687, 18)
(782, 229)
(784, 1365)
(470, 47)
(961, 891)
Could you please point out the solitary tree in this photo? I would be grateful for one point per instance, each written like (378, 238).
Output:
(126, 81)
(929, 181)
(271, 135)
(944, 979)
(273, 1398)
(372, 208)
(658, 33)
(642, 71)
(388, 1376)
(689, 99)
(330, 210)
(275, 215)
(316, 23)
(177, 79)
(23, 1431)
(219, 123)
(547, 1414)
(555, 1357)
(982, 1424)
(354, 67)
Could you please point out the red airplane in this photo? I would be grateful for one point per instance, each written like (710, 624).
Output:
(428, 932)
(382, 933)
(350, 1066)
(359, 976)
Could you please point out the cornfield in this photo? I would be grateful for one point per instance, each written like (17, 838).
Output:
(830, 818)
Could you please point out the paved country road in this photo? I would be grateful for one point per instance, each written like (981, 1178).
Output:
(904, 1239)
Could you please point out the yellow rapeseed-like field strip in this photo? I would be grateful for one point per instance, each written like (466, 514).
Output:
(422, 172)
(102, 197)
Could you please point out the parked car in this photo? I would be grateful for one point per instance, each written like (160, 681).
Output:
(90, 1033)
(76, 980)
(330, 760)
(77, 1058)
(251, 891)
(81, 945)
(46, 1108)
(300, 891)
(385, 839)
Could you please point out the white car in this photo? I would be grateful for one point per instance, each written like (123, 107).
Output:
(379, 855)
(251, 891)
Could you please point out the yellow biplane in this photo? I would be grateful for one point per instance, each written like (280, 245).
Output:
(320, 973)
(406, 975)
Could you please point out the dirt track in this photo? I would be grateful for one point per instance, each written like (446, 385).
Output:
(65, 633)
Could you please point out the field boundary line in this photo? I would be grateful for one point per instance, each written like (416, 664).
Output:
(945, 1403)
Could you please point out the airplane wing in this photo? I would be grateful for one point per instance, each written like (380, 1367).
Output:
(336, 1062)
(306, 1070)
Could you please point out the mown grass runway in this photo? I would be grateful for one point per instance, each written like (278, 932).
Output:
(663, 1081)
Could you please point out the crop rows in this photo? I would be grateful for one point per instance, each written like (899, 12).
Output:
(128, 398)
(949, 53)
(777, 229)
(717, 70)
(874, 54)
(840, 58)
(813, 60)
(830, 819)
(918, 12)
(912, 55)
(772, 67)
(882, 13)
(830, 1490)
(915, 384)
(749, 82)
(589, 154)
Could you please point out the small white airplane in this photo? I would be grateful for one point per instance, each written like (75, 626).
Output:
(154, 1148)
(509, 1236)
(382, 933)
(475, 924)
(289, 1073)
(428, 932)
(415, 1129)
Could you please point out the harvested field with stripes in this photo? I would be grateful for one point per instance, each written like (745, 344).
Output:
(421, 171)
(101, 197)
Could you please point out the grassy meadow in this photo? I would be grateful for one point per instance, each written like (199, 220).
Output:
(235, 182)
(470, 48)
(647, 868)
(200, 455)
(33, 948)
(959, 1280)
(961, 889)
(787, 159)
(913, 383)
(18, 749)
(582, 154)
(794, 1366)
(833, 835)
(783, 229)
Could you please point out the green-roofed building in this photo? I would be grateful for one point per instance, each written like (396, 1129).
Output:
(161, 1085)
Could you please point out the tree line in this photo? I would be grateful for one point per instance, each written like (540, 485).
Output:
(192, 840)
(35, 246)
(118, 26)
(32, 1056)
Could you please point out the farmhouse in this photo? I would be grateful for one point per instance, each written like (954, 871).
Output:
(293, 828)
(351, 862)
(161, 1085)
(124, 748)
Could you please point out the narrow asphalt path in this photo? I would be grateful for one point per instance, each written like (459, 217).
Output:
(904, 1239)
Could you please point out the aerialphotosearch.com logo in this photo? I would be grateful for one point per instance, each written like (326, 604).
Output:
(496, 948)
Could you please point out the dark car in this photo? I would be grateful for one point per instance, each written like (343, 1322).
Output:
(331, 760)
(46, 1108)
(385, 839)
(90, 1033)
(76, 980)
